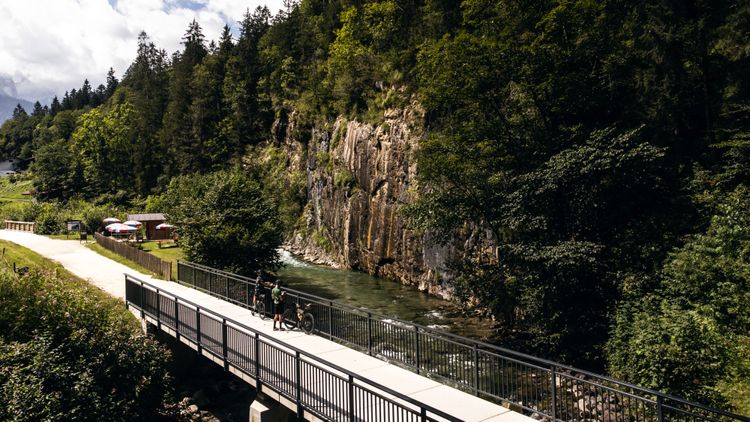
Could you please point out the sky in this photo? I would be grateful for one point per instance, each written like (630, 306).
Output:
(48, 47)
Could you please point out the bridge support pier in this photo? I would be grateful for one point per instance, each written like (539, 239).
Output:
(149, 328)
(265, 409)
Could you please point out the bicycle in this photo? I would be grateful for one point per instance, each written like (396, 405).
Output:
(299, 317)
(260, 306)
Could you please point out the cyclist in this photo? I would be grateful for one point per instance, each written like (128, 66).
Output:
(278, 306)
(259, 291)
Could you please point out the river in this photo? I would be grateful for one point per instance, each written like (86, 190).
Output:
(380, 295)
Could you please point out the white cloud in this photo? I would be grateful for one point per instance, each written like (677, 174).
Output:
(50, 46)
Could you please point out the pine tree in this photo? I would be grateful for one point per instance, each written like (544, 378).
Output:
(74, 99)
(249, 117)
(184, 150)
(112, 83)
(147, 79)
(225, 42)
(67, 102)
(38, 110)
(195, 46)
(84, 94)
(55, 106)
(98, 96)
(19, 112)
(208, 108)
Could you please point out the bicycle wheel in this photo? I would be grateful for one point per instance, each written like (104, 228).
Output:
(290, 319)
(308, 323)
(260, 307)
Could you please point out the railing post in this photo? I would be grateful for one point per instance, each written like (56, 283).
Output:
(143, 314)
(554, 394)
(176, 319)
(258, 382)
(369, 333)
(351, 398)
(224, 345)
(330, 320)
(297, 374)
(158, 310)
(127, 301)
(659, 408)
(416, 347)
(198, 328)
(227, 282)
(423, 414)
(476, 369)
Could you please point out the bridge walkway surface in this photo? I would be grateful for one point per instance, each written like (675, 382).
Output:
(109, 276)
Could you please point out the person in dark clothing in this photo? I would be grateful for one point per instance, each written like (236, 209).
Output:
(260, 290)
(278, 306)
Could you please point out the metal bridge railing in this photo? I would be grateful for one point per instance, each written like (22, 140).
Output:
(315, 385)
(539, 387)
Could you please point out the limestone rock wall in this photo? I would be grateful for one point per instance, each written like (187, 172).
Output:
(358, 176)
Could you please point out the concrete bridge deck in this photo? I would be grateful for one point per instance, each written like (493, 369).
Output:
(108, 275)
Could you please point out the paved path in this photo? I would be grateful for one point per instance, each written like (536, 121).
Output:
(108, 275)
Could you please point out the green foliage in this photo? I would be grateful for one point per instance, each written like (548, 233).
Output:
(532, 110)
(100, 145)
(70, 352)
(52, 171)
(338, 134)
(562, 231)
(321, 239)
(286, 189)
(50, 217)
(674, 350)
(735, 388)
(344, 180)
(48, 220)
(351, 62)
(324, 161)
(689, 336)
(224, 221)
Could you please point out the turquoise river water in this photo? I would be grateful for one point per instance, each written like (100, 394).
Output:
(382, 296)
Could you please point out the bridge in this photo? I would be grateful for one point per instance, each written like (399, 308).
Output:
(363, 366)
(312, 376)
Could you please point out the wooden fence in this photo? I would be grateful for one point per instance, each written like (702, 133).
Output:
(23, 226)
(144, 259)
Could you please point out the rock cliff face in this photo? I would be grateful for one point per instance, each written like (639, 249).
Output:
(358, 176)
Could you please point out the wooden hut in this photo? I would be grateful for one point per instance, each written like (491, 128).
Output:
(150, 221)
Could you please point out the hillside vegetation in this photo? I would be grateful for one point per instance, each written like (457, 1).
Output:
(600, 148)
(69, 351)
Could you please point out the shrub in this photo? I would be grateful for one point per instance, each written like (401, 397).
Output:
(690, 336)
(344, 180)
(50, 220)
(71, 353)
(16, 211)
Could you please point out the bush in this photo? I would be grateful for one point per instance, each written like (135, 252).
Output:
(224, 220)
(50, 220)
(69, 352)
(690, 336)
(344, 180)
(50, 217)
(91, 216)
(677, 351)
(18, 211)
